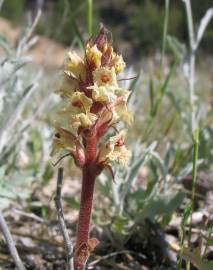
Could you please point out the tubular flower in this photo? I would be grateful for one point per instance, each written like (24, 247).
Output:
(115, 149)
(93, 56)
(63, 140)
(94, 103)
(81, 102)
(74, 65)
(121, 113)
(118, 63)
(103, 93)
(105, 77)
(67, 87)
(83, 120)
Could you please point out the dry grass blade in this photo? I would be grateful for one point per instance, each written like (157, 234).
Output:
(31, 216)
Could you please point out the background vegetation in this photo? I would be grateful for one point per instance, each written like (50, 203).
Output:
(140, 22)
(148, 217)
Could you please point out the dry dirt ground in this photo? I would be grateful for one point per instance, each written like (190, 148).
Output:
(45, 52)
(40, 244)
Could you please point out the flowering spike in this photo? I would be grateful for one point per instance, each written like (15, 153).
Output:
(94, 103)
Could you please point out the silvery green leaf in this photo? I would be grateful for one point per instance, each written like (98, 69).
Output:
(5, 45)
(2, 172)
(195, 258)
(203, 25)
(187, 170)
(160, 205)
(160, 162)
(17, 113)
(133, 171)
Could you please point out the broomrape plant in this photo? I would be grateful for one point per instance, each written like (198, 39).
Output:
(94, 104)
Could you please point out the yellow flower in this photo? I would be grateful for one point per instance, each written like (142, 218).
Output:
(84, 120)
(115, 150)
(121, 112)
(121, 155)
(104, 76)
(57, 146)
(80, 111)
(120, 92)
(81, 102)
(67, 87)
(74, 65)
(77, 113)
(93, 55)
(118, 62)
(103, 93)
(64, 140)
(77, 103)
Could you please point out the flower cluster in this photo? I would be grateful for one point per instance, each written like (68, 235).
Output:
(94, 103)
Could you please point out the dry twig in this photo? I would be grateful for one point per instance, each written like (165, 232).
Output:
(25, 41)
(63, 228)
(10, 243)
(30, 215)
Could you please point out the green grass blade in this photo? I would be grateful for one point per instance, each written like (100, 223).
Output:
(162, 89)
(186, 215)
(194, 177)
(90, 16)
(77, 31)
(151, 95)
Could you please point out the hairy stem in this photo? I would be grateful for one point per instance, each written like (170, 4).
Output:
(192, 98)
(191, 76)
(87, 191)
(91, 148)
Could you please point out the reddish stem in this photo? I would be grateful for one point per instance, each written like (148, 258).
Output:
(91, 145)
(87, 191)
